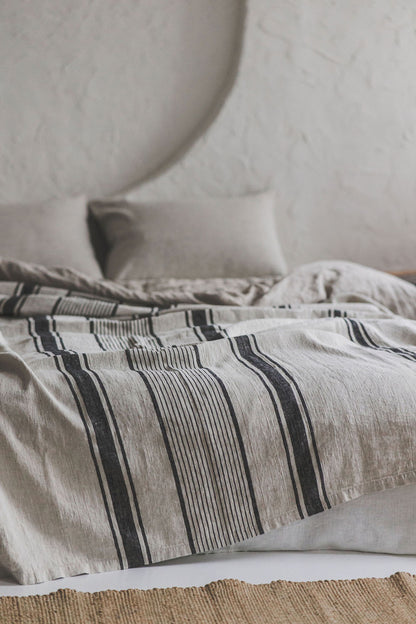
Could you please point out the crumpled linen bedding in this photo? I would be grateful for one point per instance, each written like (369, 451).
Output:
(143, 421)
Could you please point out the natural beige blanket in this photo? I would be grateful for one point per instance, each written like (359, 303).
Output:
(363, 601)
(133, 432)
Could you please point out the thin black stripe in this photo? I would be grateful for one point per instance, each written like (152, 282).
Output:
(56, 304)
(57, 334)
(363, 338)
(224, 428)
(211, 508)
(356, 332)
(176, 430)
(35, 340)
(168, 395)
(351, 337)
(232, 452)
(168, 450)
(294, 423)
(92, 331)
(239, 438)
(152, 331)
(224, 476)
(366, 334)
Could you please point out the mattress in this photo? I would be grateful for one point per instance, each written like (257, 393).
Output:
(383, 522)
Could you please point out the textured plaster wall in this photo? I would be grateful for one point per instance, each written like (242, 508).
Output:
(96, 95)
(323, 110)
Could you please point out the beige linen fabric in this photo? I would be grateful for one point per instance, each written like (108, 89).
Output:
(133, 432)
(53, 233)
(195, 238)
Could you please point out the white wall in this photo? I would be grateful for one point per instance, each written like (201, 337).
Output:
(323, 109)
(97, 94)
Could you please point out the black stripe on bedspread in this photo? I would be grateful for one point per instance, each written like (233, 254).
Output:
(113, 459)
(358, 333)
(106, 445)
(204, 446)
(203, 326)
(11, 306)
(302, 457)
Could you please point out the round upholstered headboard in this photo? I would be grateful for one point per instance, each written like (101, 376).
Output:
(101, 95)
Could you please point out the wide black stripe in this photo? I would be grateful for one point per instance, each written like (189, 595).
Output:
(199, 317)
(210, 333)
(168, 450)
(294, 423)
(238, 436)
(94, 459)
(11, 304)
(27, 289)
(207, 328)
(308, 418)
(123, 452)
(49, 343)
(282, 432)
(48, 340)
(109, 458)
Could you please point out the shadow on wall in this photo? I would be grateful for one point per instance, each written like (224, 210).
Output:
(214, 109)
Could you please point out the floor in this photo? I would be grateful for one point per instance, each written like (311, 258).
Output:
(253, 567)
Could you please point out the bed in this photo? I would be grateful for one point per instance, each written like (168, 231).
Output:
(213, 423)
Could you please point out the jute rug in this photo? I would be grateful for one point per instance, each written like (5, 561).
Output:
(370, 601)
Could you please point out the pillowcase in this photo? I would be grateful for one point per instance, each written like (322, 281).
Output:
(191, 239)
(53, 234)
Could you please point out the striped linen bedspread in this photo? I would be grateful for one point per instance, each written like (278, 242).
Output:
(146, 421)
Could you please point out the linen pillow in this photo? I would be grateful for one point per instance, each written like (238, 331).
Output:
(191, 239)
(53, 233)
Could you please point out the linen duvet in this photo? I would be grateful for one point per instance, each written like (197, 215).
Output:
(143, 421)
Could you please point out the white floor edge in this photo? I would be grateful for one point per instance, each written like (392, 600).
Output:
(252, 567)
